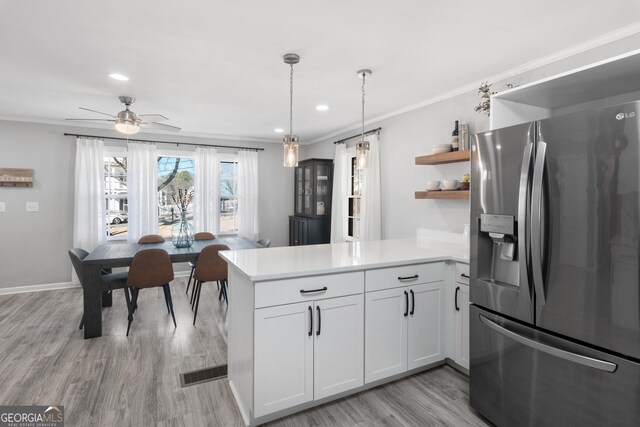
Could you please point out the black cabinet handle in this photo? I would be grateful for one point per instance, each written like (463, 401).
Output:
(456, 300)
(413, 302)
(415, 276)
(310, 321)
(304, 291)
(466, 276)
(406, 300)
(319, 320)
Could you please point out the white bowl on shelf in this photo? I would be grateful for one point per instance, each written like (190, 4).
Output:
(450, 184)
(440, 148)
(433, 185)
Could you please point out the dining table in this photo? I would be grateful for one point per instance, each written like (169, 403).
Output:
(120, 254)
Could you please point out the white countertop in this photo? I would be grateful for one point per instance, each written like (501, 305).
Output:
(298, 261)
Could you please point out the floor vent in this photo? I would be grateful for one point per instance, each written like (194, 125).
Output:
(203, 375)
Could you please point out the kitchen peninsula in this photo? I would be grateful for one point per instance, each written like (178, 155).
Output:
(310, 324)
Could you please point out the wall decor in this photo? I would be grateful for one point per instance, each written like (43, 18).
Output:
(14, 177)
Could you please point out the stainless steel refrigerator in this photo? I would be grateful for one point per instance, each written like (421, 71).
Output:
(555, 230)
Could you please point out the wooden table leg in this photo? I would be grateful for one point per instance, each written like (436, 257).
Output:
(92, 295)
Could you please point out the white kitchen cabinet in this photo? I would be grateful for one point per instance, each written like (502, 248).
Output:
(403, 324)
(461, 315)
(283, 357)
(307, 351)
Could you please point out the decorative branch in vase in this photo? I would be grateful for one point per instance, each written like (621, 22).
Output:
(484, 107)
(182, 234)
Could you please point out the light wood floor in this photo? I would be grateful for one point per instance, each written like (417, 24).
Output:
(115, 380)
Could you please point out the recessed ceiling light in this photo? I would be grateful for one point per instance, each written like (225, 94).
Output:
(278, 130)
(322, 107)
(121, 77)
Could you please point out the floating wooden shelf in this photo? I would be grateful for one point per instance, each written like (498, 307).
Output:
(12, 177)
(442, 158)
(445, 195)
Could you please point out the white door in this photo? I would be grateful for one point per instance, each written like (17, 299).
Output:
(462, 327)
(283, 357)
(339, 345)
(385, 341)
(425, 335)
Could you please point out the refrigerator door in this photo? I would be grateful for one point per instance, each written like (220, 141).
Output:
(585, 252)
(501, 171)
(523, 377)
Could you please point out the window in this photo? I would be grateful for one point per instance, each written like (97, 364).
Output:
(176, 170)
(228, 196)
(116, 204)
(174, 173)
(353, 198)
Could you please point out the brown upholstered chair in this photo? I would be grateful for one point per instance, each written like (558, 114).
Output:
(151, 238)
(150, 268)
(201, 235)
(210, 268)
(109, 280)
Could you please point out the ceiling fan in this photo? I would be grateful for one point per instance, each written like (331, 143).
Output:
(128, 122)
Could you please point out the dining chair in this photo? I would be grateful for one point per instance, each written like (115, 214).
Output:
(149, 268)
(109, 280)
(151, 238)
(210, 267)
(265, 243)
(201, 235)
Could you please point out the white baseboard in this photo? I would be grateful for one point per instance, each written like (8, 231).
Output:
(61, 285)
(38, 288)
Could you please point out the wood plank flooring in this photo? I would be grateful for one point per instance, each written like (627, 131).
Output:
(134, 381)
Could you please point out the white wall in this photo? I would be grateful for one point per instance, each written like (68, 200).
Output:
(34, 245)
(411, 134)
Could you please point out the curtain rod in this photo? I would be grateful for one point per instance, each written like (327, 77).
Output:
(163, 142)
(376, 130)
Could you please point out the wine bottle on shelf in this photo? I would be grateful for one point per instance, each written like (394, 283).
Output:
(455, 142)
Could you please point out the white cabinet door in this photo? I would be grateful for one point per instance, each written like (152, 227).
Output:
(462, 327)
(425, 332)
(283, 357)
(339, 345)
(385, 333)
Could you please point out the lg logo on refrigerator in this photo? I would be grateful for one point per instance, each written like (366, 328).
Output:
(621, 116)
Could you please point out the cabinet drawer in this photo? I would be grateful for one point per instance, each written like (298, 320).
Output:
(386, 278)
(288, 291)
(462, 273)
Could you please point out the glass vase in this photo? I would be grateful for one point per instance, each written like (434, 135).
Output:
(182, 233)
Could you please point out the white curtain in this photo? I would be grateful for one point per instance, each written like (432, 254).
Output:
(89, 219)
(142, 184)
(248, 194)
(370, 205)
(340, 193)
(206, 200)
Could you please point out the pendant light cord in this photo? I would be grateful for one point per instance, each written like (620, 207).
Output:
(363, 77)
(291, 101)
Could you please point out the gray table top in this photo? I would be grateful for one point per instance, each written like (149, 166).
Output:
(118, 254)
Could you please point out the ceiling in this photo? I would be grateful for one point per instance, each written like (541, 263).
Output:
(215, 68)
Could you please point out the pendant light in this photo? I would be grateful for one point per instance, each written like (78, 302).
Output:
(290, 142)
(362, 146)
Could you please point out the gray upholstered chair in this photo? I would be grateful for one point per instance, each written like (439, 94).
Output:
(109, 280)
(265, 243)
(210, 268)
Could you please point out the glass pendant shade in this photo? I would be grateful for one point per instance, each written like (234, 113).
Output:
(127, 127)
(290, 145)
(362, 154)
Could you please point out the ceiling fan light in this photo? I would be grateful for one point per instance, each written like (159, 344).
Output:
(127, 127)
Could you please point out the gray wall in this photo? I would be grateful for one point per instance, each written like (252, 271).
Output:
(412, 134)
(33, 245)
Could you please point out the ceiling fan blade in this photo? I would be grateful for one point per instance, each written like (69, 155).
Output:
(94, 120)
(162, 126)
(153, 117)
(95, 111)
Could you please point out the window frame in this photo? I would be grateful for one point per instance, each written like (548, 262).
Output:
(351, 158)
(227, 158)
